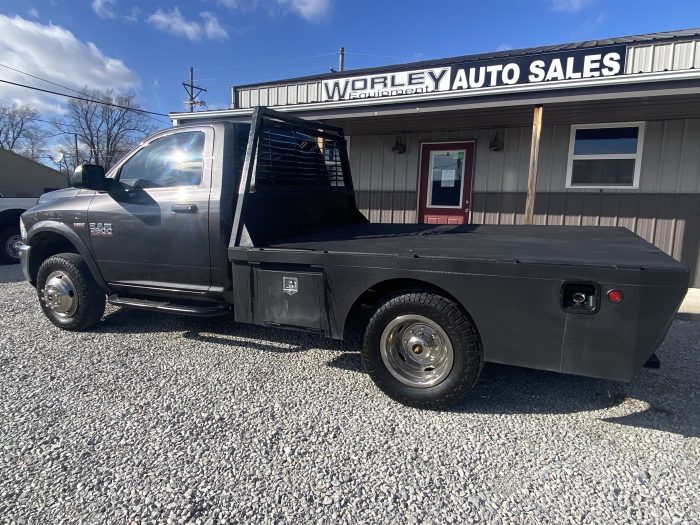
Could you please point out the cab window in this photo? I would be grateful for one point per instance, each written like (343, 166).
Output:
(173, 160)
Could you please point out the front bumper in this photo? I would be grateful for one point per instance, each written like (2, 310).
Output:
(24, 250)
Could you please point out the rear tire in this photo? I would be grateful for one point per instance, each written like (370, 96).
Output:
(10, 239)
(68, 294)
(422, 350)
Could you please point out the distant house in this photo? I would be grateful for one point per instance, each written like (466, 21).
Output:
(23, 177)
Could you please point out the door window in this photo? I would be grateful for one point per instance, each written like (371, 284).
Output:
(446, 176)
(173, 160)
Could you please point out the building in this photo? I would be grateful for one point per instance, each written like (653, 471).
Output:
(23, 177)
(603, 132)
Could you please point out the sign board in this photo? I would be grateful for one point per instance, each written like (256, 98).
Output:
(562, 66)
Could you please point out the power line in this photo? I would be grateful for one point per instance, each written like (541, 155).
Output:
(85, 99)
(378, 56)
(68, 88)
(264, 63)
(42, 79)
(295, 72)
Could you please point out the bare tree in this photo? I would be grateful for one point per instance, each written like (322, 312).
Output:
(20, 132)
(104, 132)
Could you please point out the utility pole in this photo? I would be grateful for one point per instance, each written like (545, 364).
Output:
(191, 94)
(75, 151)
(341, 60)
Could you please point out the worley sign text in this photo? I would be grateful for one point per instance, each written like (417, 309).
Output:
(483, 74)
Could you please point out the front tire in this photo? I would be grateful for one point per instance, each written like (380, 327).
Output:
(422, 350)
(68, 294)
(10, 241)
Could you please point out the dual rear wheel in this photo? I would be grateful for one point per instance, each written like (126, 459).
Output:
(422, 350)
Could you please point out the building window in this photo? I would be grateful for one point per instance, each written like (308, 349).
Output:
(606, 156)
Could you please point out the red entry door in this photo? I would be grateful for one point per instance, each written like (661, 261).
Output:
(446, 183)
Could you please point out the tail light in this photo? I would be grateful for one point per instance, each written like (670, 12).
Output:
(614, 296)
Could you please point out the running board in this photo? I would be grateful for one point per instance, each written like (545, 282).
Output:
(170, 308)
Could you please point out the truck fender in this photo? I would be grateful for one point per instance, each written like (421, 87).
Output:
(72, 237)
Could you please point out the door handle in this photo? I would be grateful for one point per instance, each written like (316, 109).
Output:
(183, 208)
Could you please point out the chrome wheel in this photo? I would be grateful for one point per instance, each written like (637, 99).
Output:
(416, 351)
(59, 294)
(12, 246)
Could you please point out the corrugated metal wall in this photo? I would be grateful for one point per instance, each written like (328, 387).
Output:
(674, 56)
(665, 210)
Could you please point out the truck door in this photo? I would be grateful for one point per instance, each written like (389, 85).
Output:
(446, 183)
(151, 229)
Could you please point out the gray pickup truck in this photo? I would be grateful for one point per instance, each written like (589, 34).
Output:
(258, 221)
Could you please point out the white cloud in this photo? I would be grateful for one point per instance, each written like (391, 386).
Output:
(54, 53)
(311, 10)
(174, 23)
(132, 14)
(33, 12)
(104, 8)
(109, 10)
(212, 27)
(569, 6)
(504, 47)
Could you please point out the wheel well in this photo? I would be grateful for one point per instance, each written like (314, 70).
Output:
(44, 245)
(10, 218)
(364, 306)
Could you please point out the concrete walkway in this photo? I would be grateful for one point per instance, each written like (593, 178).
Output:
(690, 309)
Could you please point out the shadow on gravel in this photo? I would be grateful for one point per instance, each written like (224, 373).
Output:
(11, 273)
(218, 330)
(667, 394)
(655, 399)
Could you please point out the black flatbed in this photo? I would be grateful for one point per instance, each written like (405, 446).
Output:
(607, 247)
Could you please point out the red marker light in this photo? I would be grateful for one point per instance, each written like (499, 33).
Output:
(615, 296)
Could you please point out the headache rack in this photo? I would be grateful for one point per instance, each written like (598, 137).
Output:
(295, 179)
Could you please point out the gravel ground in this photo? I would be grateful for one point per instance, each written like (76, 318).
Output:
(158, 419)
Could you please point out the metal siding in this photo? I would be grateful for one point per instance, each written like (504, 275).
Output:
(674, 56)
(263, 98)
(663, 57)
(302, 93)
(683, 55)
(689, 172)
(282, 95)
(313, 90)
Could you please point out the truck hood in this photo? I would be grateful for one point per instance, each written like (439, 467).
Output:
(65, 193)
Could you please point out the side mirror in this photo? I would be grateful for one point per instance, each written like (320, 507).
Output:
(89, 176)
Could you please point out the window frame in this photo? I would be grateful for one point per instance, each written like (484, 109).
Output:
(606, 156)
(115, 171)
(429, 190)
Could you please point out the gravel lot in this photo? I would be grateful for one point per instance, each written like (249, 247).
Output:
(159, 419)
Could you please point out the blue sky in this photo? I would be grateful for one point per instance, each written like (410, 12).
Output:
(148, 46)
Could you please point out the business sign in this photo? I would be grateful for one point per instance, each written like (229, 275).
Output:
(388, 84)
(570, 66)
